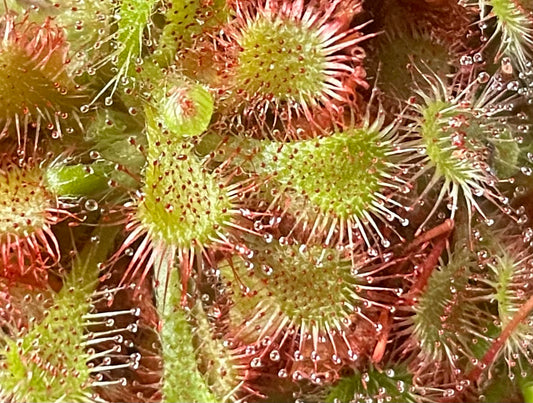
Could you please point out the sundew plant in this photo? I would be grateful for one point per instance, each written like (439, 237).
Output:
(266, 201)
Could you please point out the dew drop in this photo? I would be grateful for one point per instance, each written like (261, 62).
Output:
(274, 355)
(352, 355)
(250, 350)
(405, 189)
(507, 66)
(483, 77)
(478, 192)
(513, 86)
(91, 205)
(466, 60)
(297, 376)
(267, 269)
(526, 171)
(372, 252)
(449, 393)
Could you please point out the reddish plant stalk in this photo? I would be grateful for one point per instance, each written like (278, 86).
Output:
(492, 352)
(440, 234)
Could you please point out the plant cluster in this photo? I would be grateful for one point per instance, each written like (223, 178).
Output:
(266, 200)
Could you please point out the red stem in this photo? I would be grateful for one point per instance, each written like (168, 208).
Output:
(490, 355)
(428, 266)
(443, 229)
